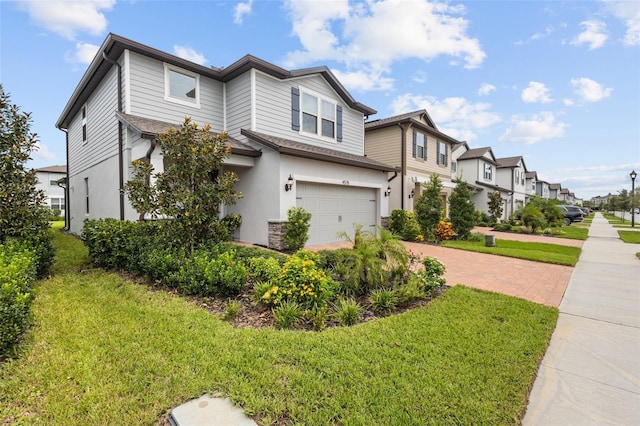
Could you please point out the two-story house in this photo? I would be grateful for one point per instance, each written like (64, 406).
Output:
(296, 138)
(478, 167)
(554, 191)
(412, 143)
(511, 174)
(542, 189)
(51, 182)
(531, 181)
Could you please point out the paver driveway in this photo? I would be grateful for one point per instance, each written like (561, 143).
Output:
(538, 282)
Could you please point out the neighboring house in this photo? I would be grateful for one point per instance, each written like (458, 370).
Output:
(412, 143)
(567, 196)
(531, 180)
(51, 182)
(554, 191)
(542, 189)
(511, 174)
(478, 167)
(282, 124)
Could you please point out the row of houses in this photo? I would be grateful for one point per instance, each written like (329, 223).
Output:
(296, 137)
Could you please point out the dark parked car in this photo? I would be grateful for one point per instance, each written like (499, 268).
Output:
(572, 214)
(585, 211)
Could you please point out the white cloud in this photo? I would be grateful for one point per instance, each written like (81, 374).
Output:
(241, 10)
(594, 34)
(456, 117)
(189, 54)
(357, 34)
(84, 54)
(363, 81)
(42, 151)
(568, 102)
(536, 92)
(629, 12)
(486, 88)
(68, 18)
(533, 129)
(590, 90)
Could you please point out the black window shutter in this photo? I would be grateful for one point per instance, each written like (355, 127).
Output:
(295, 109)
(339, 123)
(438, 152)
(415, 136)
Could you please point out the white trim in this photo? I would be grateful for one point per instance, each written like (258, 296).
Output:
(167, 86)
(127, 81)
(334, 181)
(253, 99)
(224, 106)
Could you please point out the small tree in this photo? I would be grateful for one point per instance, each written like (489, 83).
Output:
(495, 205)
(461, 210)
(23, 215)
(532, 217)
(296, 230)
(190, 190)
(429, 206)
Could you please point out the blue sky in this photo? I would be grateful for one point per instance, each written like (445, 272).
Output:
(556, 82)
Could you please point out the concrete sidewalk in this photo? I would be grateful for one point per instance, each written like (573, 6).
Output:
(590, 374)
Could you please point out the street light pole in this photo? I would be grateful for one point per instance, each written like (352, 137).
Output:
(633, 175)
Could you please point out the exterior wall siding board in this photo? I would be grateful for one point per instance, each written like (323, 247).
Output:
(147, 96)
(384, 145)
(238, 110)
(273, 113)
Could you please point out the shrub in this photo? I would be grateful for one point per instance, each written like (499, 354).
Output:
(444, 231)
(461, 210)
(502, 227)
(231, 222)
(287, 314)
(263, 269)
(383, 301)
(259, 289)
(347, 311)
(17, 273)
(410, 291)
(302, 281)
(405, 225)
(203, 276)
(429, 207)
(296, 230)
(476, 236)
(161, 263)
(434, 269)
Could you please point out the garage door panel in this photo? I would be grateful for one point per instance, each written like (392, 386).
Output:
(336, 208)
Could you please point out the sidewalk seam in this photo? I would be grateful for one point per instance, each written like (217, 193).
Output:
(599, 320)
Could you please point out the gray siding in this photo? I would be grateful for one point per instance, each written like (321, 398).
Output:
(146, 81)
(273, 112)
(238, 95)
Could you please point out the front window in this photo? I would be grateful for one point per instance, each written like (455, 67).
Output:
(420, 149)
(318, 116)
(442, 153)
(57, 204)
(181, 86)
(488, 171)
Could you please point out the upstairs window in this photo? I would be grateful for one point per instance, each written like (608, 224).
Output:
(181, 86)
(488, 171)
(454, 166)
(84, 124)
(419, 145)
(319, 116)
(443, 153)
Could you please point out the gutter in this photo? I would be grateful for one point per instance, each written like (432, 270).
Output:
(120, 138)
(403, 160)
(67, 198)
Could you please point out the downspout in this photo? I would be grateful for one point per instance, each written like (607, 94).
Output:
(120, 138)
(67, 198)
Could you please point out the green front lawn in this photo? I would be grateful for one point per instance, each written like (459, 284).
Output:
(574, 232)
(105, 350)
(539, 252)
(632, 237)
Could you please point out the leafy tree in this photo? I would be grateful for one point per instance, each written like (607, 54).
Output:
(553, 215)
(23, 214)
(495, 205)
(429, 206)
(461, 210)
(532, 217)
(190, 190)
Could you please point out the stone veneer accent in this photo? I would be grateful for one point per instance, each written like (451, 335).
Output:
(384, 222)
(276, 234)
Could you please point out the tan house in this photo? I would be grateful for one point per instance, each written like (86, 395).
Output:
(413, 143)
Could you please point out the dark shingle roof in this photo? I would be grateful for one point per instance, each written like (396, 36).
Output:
(53, 169)
(149, 128)
(412, 118)
(303, 150)
(478, 153)
(510, 162)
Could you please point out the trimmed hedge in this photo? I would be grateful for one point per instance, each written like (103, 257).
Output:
(17, 274)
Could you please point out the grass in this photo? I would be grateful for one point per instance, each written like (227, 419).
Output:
(632, 237)
(574, 232)
(539, 252)
(619, 222)
(107, 351)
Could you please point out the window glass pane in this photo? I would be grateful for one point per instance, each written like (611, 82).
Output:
(309, 123)
(328, 111)
(420, 151)
(182, 86)
(309, 104)
(327, 128)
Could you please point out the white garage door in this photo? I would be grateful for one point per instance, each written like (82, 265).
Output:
(336, 208)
